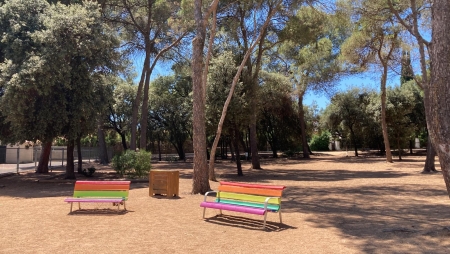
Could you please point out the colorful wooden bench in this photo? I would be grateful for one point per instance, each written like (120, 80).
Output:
(115, 192)
(246, 198)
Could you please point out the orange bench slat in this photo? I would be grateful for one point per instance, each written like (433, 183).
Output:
(259, 186)
(254, 191)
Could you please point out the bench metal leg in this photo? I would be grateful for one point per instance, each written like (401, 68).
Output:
(280, 216)
(265, 216)
(79, 206)
(124, 206)
(71, 203)
(204, 209)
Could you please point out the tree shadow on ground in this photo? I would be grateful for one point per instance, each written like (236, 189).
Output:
(400, 218)
(99, 212)
(247, 223)
(308, 175)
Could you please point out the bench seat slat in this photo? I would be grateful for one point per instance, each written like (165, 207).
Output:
(104, 182)
(249, 185)
(101, 194)
(94, 200)
(234, 208)
(271, 207)
(245, 197)
(254, 191)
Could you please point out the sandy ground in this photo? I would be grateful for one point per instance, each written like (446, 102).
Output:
(332, 204)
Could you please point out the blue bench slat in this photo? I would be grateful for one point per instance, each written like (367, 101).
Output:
(234, 208)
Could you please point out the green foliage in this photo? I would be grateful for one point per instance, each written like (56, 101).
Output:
(142, 163)
(56, 58)
(220, 78)
(123, 163)
(320, 142)
(278, 121)
(171, 110)
(131, 163)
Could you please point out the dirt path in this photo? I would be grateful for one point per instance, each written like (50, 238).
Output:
(332, 204)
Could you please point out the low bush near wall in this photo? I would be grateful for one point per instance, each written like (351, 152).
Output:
(131, 163)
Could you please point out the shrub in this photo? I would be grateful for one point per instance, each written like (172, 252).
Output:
(132, 163)
(142, 163)
(320, 142)
(124, 163)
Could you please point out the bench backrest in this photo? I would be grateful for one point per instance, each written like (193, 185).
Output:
(101, 189)
(252, 195)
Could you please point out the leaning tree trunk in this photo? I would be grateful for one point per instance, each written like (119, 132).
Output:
(70, 166)
(44, 158)
(253, 141)
(429, 161)
(437, 97)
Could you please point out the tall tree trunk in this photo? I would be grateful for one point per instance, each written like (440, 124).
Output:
(438, 96)
(80, 159)
(137, 103)
(159, 150)
(233, 157)
(353, 138)
(144, 112)
(200, 176)
(399, 149)
(44, 158)
(70, 167)
(383, 115)
(238, 154)
(429, 161)
(103, 153)
(124, 140)
(301, 114)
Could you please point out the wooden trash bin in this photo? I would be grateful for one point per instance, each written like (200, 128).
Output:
(164, 182)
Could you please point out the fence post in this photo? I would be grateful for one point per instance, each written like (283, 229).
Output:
(62, 158)
(18, 157)
(34, 157)
(50, 159)
(89, 154)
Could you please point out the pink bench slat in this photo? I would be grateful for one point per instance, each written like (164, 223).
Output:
(97, 200)
(234, 208)
(103, 182)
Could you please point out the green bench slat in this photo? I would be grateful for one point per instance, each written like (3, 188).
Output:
(104, 194)
(249, 204)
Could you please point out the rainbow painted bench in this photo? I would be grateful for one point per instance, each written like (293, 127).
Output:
(246, 198)
(115, 192)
